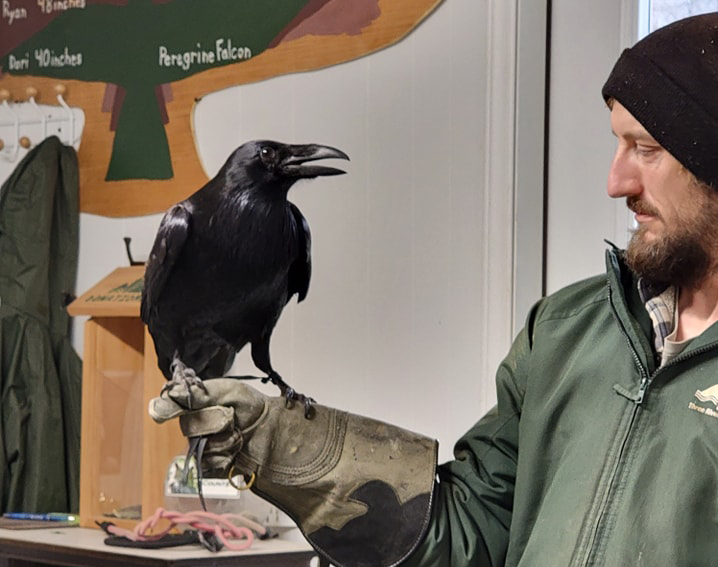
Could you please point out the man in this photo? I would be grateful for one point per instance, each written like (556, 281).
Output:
(603, 446)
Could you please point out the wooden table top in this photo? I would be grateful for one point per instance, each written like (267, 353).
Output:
(86, 547)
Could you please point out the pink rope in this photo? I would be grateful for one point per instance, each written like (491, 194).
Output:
(221, 525)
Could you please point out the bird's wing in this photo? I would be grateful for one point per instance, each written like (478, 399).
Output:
(301, 269)
(169, 242)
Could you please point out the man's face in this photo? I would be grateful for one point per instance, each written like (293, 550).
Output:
(677, 238)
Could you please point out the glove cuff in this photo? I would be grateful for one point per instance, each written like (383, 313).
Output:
(359, 489)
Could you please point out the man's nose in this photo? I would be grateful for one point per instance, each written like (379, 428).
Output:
(623, 177)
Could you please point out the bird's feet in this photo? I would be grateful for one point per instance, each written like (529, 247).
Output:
(290, 395)
(184, 376)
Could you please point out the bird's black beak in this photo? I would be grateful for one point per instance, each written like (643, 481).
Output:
(294, 165)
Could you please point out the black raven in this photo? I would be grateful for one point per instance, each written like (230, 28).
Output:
(227, 260)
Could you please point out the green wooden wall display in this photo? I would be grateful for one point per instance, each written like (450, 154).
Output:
(136, 67)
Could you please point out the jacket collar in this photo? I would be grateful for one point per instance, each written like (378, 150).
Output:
(628, 306)
(631, 312)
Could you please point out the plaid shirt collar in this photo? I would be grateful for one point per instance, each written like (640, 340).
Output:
(661, 307)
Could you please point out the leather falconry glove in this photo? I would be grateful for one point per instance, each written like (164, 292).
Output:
(360, 490)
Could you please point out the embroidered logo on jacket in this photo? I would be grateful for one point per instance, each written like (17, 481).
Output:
(709, 395)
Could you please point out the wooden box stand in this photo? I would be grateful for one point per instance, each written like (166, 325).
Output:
(124, 455)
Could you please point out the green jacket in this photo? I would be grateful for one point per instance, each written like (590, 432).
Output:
(593, 456)
(40, 373)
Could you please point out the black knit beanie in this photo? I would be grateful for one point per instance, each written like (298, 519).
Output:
(669, 82)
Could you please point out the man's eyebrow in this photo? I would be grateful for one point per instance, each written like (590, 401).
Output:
(637, 134)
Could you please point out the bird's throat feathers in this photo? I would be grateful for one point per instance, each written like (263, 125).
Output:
(246, 204)
(247, 215)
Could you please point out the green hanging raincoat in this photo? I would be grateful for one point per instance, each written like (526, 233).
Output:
(40, 373)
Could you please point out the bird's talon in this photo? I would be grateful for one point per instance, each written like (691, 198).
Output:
(309, 409)
(289, 396)
(186, 377)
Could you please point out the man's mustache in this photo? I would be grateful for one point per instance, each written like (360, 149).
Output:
(640, 207)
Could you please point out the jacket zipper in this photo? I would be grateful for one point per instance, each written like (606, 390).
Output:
(598, 526)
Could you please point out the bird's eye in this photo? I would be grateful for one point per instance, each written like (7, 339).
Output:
(268, 154)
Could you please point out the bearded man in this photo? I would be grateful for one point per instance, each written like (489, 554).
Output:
(603, 447)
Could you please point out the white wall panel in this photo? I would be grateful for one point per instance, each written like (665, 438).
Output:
(586, 40)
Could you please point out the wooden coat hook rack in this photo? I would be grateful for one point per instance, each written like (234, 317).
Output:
(24, 122)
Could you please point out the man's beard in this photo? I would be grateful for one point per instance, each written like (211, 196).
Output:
(684, 255)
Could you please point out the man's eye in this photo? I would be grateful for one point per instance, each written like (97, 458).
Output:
(645, 150)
